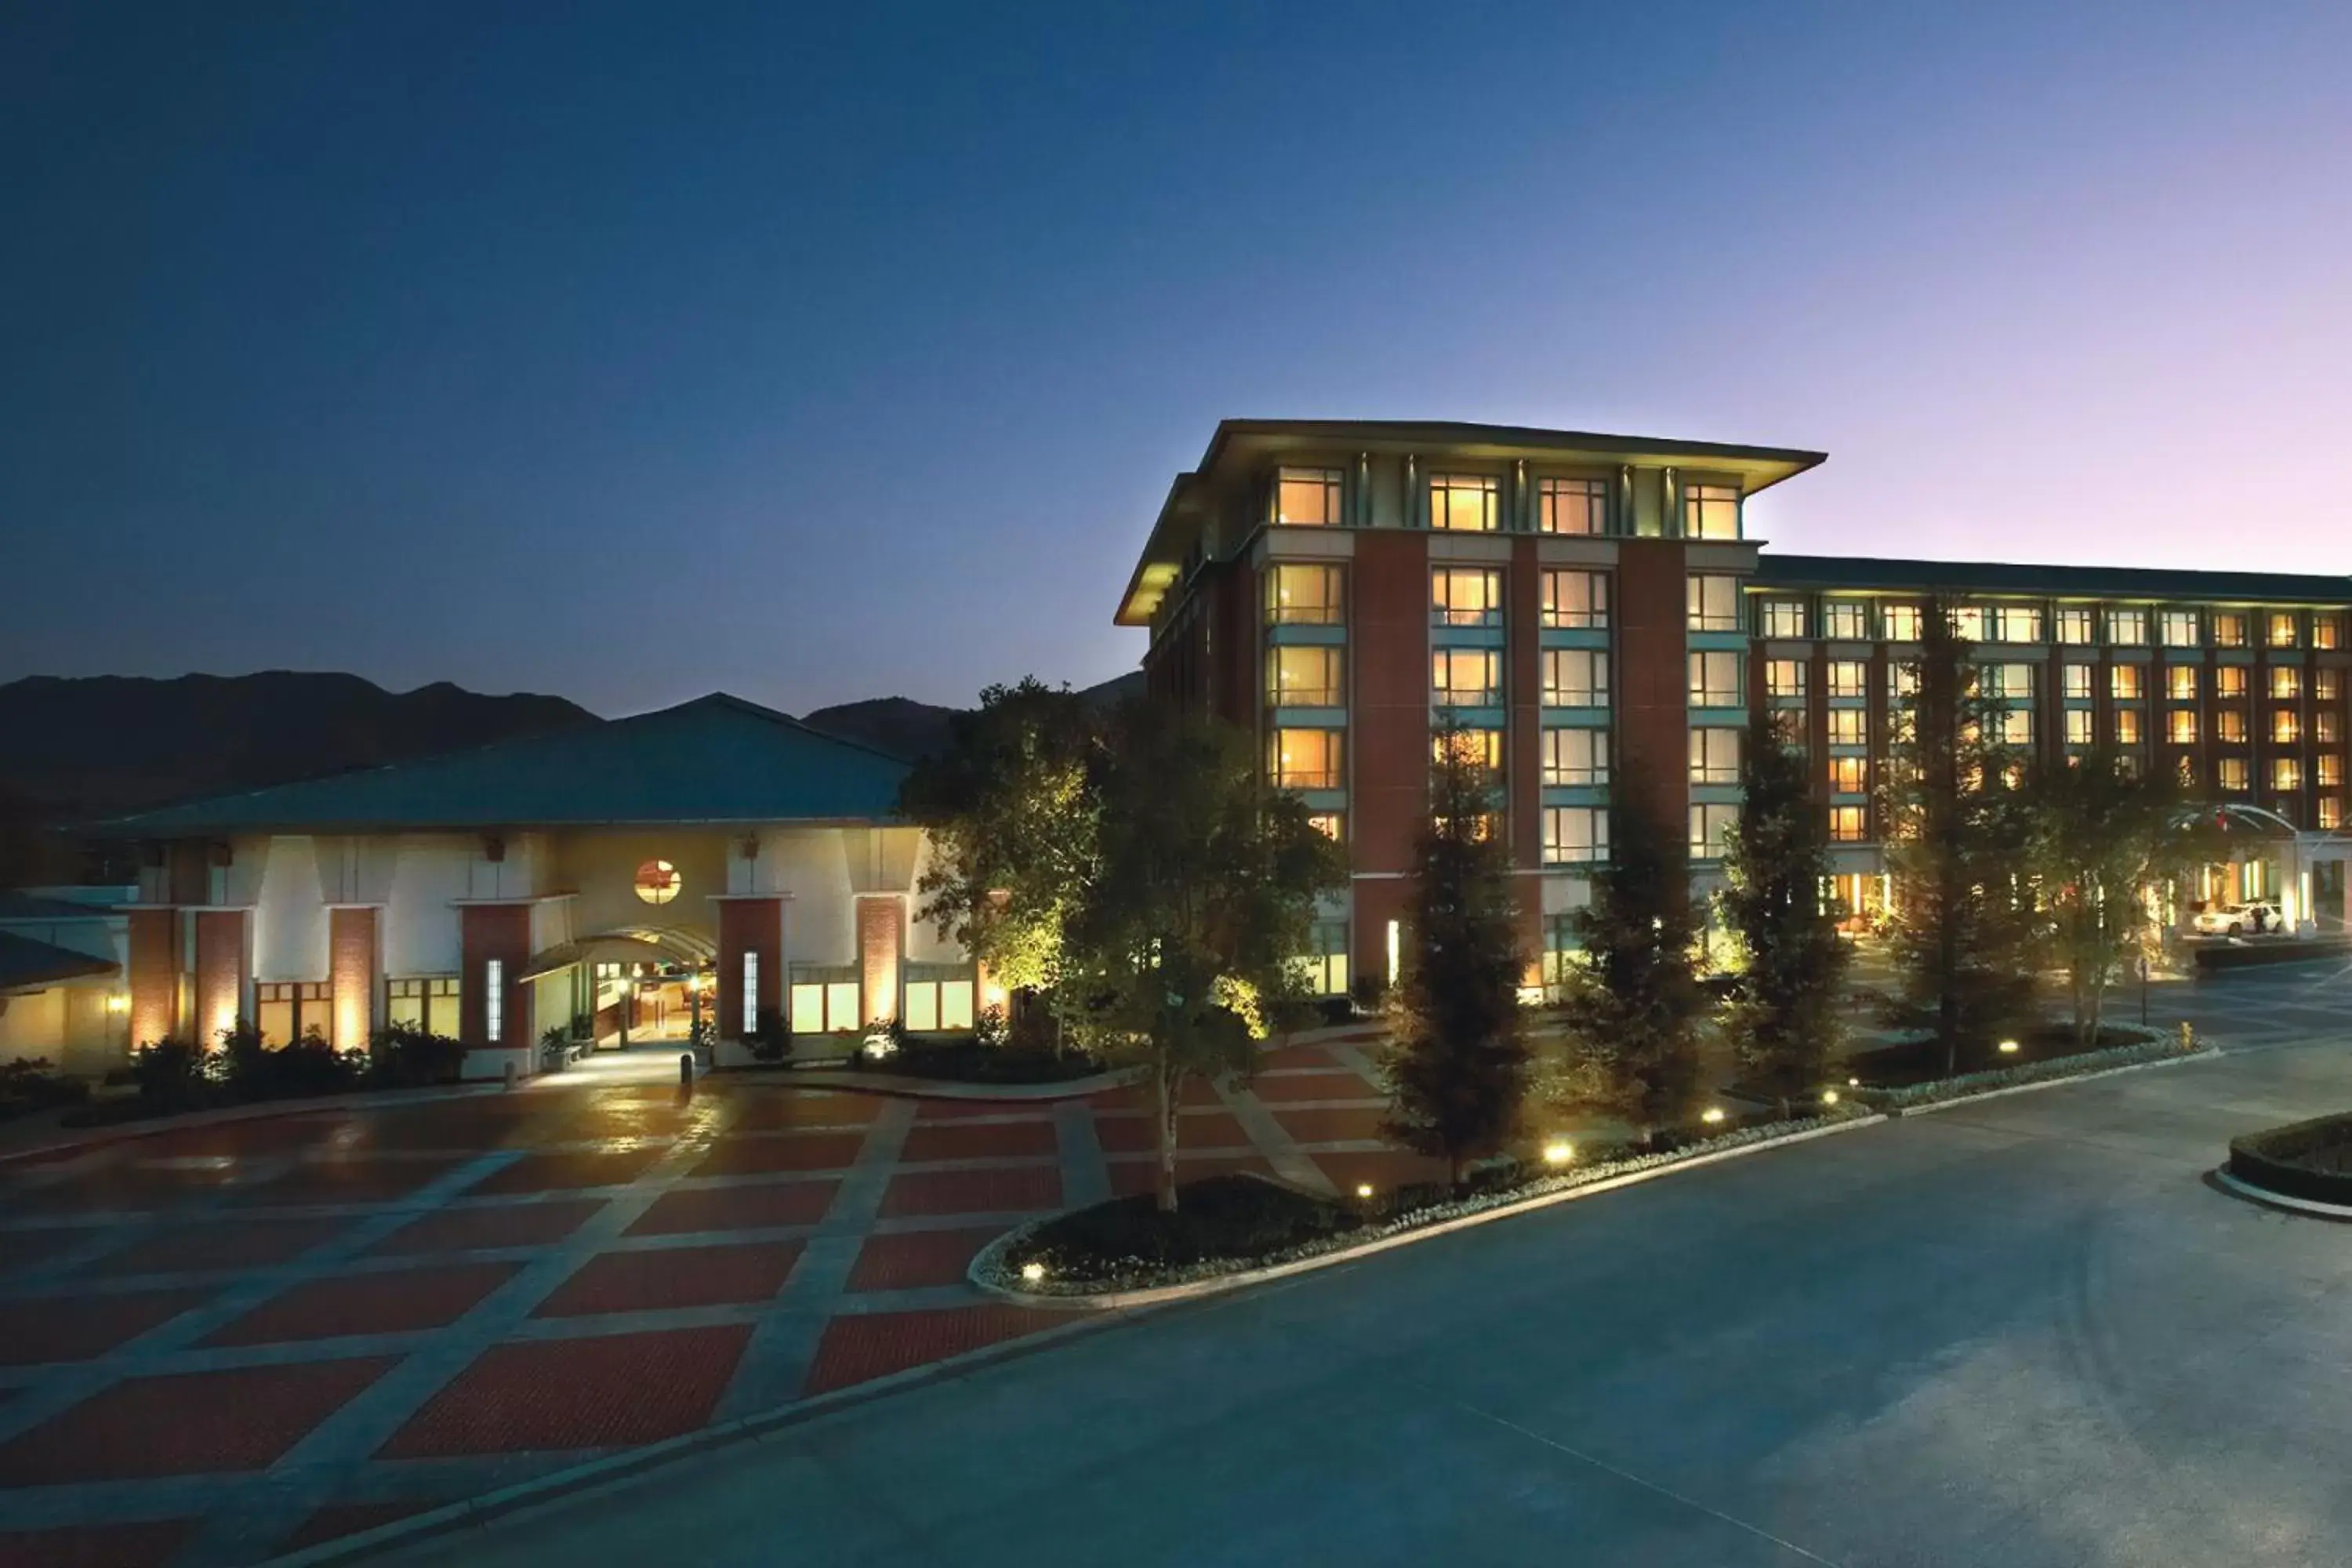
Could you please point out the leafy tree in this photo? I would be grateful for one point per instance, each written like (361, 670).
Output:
(1783, 1017)
(1183, 940)
(1963, 921)
(2103, 837)
(1631, 1009)
(1459, 1067)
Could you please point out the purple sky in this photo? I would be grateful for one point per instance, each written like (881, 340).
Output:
(629, 353)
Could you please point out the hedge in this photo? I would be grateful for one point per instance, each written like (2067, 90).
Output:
(2276, 1160)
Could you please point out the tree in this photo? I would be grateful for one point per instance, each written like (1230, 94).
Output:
(1783, 1017)
(2103, 837)
(1184, 940)
(1632, 1007)
(1964, 920)
(1459, 1065)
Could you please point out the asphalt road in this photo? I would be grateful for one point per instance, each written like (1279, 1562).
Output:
(2022, 1333)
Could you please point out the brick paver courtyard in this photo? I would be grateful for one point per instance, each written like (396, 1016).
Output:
(217, 1344)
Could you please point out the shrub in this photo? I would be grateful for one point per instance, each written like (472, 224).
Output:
(554, 1048)
(2309, 1160)
(171, 1075)
(991, 1031)
(249, 1068)
(406, 1057)
(1370, 993)
(770, 1040)
(29, 1084)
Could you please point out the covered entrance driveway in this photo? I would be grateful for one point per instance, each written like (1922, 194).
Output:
(631, 985)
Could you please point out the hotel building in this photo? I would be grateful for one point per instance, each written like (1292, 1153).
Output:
(1591, 607)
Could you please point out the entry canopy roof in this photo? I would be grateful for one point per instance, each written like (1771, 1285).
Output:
(26, 965)
(715, 761)
(647, 944)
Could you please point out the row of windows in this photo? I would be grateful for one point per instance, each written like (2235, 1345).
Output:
(2014, 682)
(1900, 622)
(1470, 503)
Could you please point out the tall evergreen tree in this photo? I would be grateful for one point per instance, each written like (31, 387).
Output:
(1632, 1008)
(1783, 1018)
(1964, 920)
(1458, 1068)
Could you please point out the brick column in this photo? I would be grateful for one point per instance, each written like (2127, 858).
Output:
(881, 943)
(351, 974)
(154, 975)
(749, 925)
(222, 965)
(487, 932)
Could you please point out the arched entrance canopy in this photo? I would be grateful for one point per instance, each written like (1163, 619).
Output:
(630, 944)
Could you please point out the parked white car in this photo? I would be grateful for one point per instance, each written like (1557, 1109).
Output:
(2237, 919)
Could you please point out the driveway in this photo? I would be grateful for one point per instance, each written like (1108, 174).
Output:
(2024, 1332)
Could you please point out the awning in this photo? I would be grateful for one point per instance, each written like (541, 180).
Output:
(643, 944)
(27, 965)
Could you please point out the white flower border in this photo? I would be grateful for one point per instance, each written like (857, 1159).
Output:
(2155, 1046)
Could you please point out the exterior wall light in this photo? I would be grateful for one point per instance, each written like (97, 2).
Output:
(1559, 1152)
(1712, 1115)
(118, 1002)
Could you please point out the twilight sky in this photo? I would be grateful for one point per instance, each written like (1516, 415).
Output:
(813, 354)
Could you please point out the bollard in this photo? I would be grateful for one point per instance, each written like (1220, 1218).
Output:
(686, 1069)
(510, 1078)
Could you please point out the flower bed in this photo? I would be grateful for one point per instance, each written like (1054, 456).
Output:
(2143, 1045)
(970, 1060)
(2311, 1160)
(1000, 1263)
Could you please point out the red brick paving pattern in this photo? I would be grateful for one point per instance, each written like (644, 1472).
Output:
(860, 1348)
(669, 1278)
(149, 1545)
(1289, 1089)
(1329, 1125)
(551, 1172)
(402, 1301)
(912, 1259)
(185, 1424)
(349, 1182)
(775, 1112)
(229, 1244)
(1019, 1190)
(507, 1224)
(1195, 1130)
(750, 1207)
(977, 1140)
(787, 1151)
(41, 1329)
(595, 1393)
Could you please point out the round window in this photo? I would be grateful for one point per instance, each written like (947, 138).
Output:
(657, 881)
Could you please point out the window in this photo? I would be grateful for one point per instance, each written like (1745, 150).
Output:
(1306, 497)
(2229, 629)
(1306, 759)
(1848, 677)
(1968, 622)
(1575, 677)
(1903, 680)
(2230, 725)
(2331, 811)
(2331, 769)
(2128, 681)
(1846, 727)
(493, 999)
(2181, 726)
(1716, 680)
(1710, 511)
(1784, 617)
(1462, 503)
(1575, 835)
(2286, 680)
(1712, 604)
(2128, 731)
(1465, 596)
(2074, 626)
(2178, 628)
(1902, 621)
(1849, 775)
(1560, 948)
(1574, 757)
(1572, 506)
(1323, 969)
(1715, 756)
(1710, 826)
(1784, 678)
(1788, 728)
(2231, 773)
(2078, 726)
(2286, 773)
(1481, 750)
(751, 991)
(2180, 682)
(285, 1010)
(2078, 681)
(1301, 676)
(1466, 677)
(2127, 627)
(2324, 726)
(2020, 623)
(2278, 628)
(2009, 682)
(1331, 825)
(2327, 630)
(934, 1004)
(1304, 596)
(1847, 618)
(2017, 727)
(2230, 680)
(2327, 685)
(2286, 726)
(430, 1003)
(1575, 598)
(824, 1000)
(657, 882)
(1845, 823)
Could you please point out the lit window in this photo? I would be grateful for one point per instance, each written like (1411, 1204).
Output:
(1306, 497)
(1903, 681)
(2230, 725)
(2181, 726)
(1848, 677)
(1466, 677)
(1575, 677)
(1462, 503)
(1323, 970)
(1784, 678)
(2331, 811)
(2017, 727)
(1575, 835)
(2020, 623)
(2127, 731)
(2286, 726)
(750, 990)
(1715, 756)
(935, 1004)
(428, 1003)
(2286, 773)
(657, 881)
(2231, 773)
(2127, 627)
(2010, 682)
(1968, 622)
(1845, 823)
(2126, 680)
(1331, 825)
(1846, 619)
(1574, 757)
(1710, 829)
(1784, 617)
(2286, 680)
(2327, 685)
(2324, 725)
(2327, 630)
(1902, 621)
(1788, 730)
(2229, 629)
(2230, 680)
(1716, 680)
(1304, 596)
(1846, 727)
(1303, 675)
(2078, 681)
(825, 1007)
(2278, 628)
(1306, 759)
(1712, 604)
(1572, 506)
(2180, 682)
(1849, 775)
(1710, 511)
(1478, 749)
(2074, 626)
(1465, 596)
(2330, 766)
(2178, 628)
(1577, 599)
(2078, 726)
(493, 999)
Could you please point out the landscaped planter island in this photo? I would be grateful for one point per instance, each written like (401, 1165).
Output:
(2310, 1161)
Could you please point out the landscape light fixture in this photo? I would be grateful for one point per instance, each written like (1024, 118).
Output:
(1363, 1189)
(1828, 1097)
(2009, 1047)
(1559, 1152)
(1712, 1115)
(1032, 1272)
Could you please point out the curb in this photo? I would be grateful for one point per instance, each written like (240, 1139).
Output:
(2202, 1053)
(1217, 1285)
(2220, 1176)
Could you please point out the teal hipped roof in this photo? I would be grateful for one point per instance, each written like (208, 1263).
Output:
(26, 965)
(1859, 572)
(717, 760)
